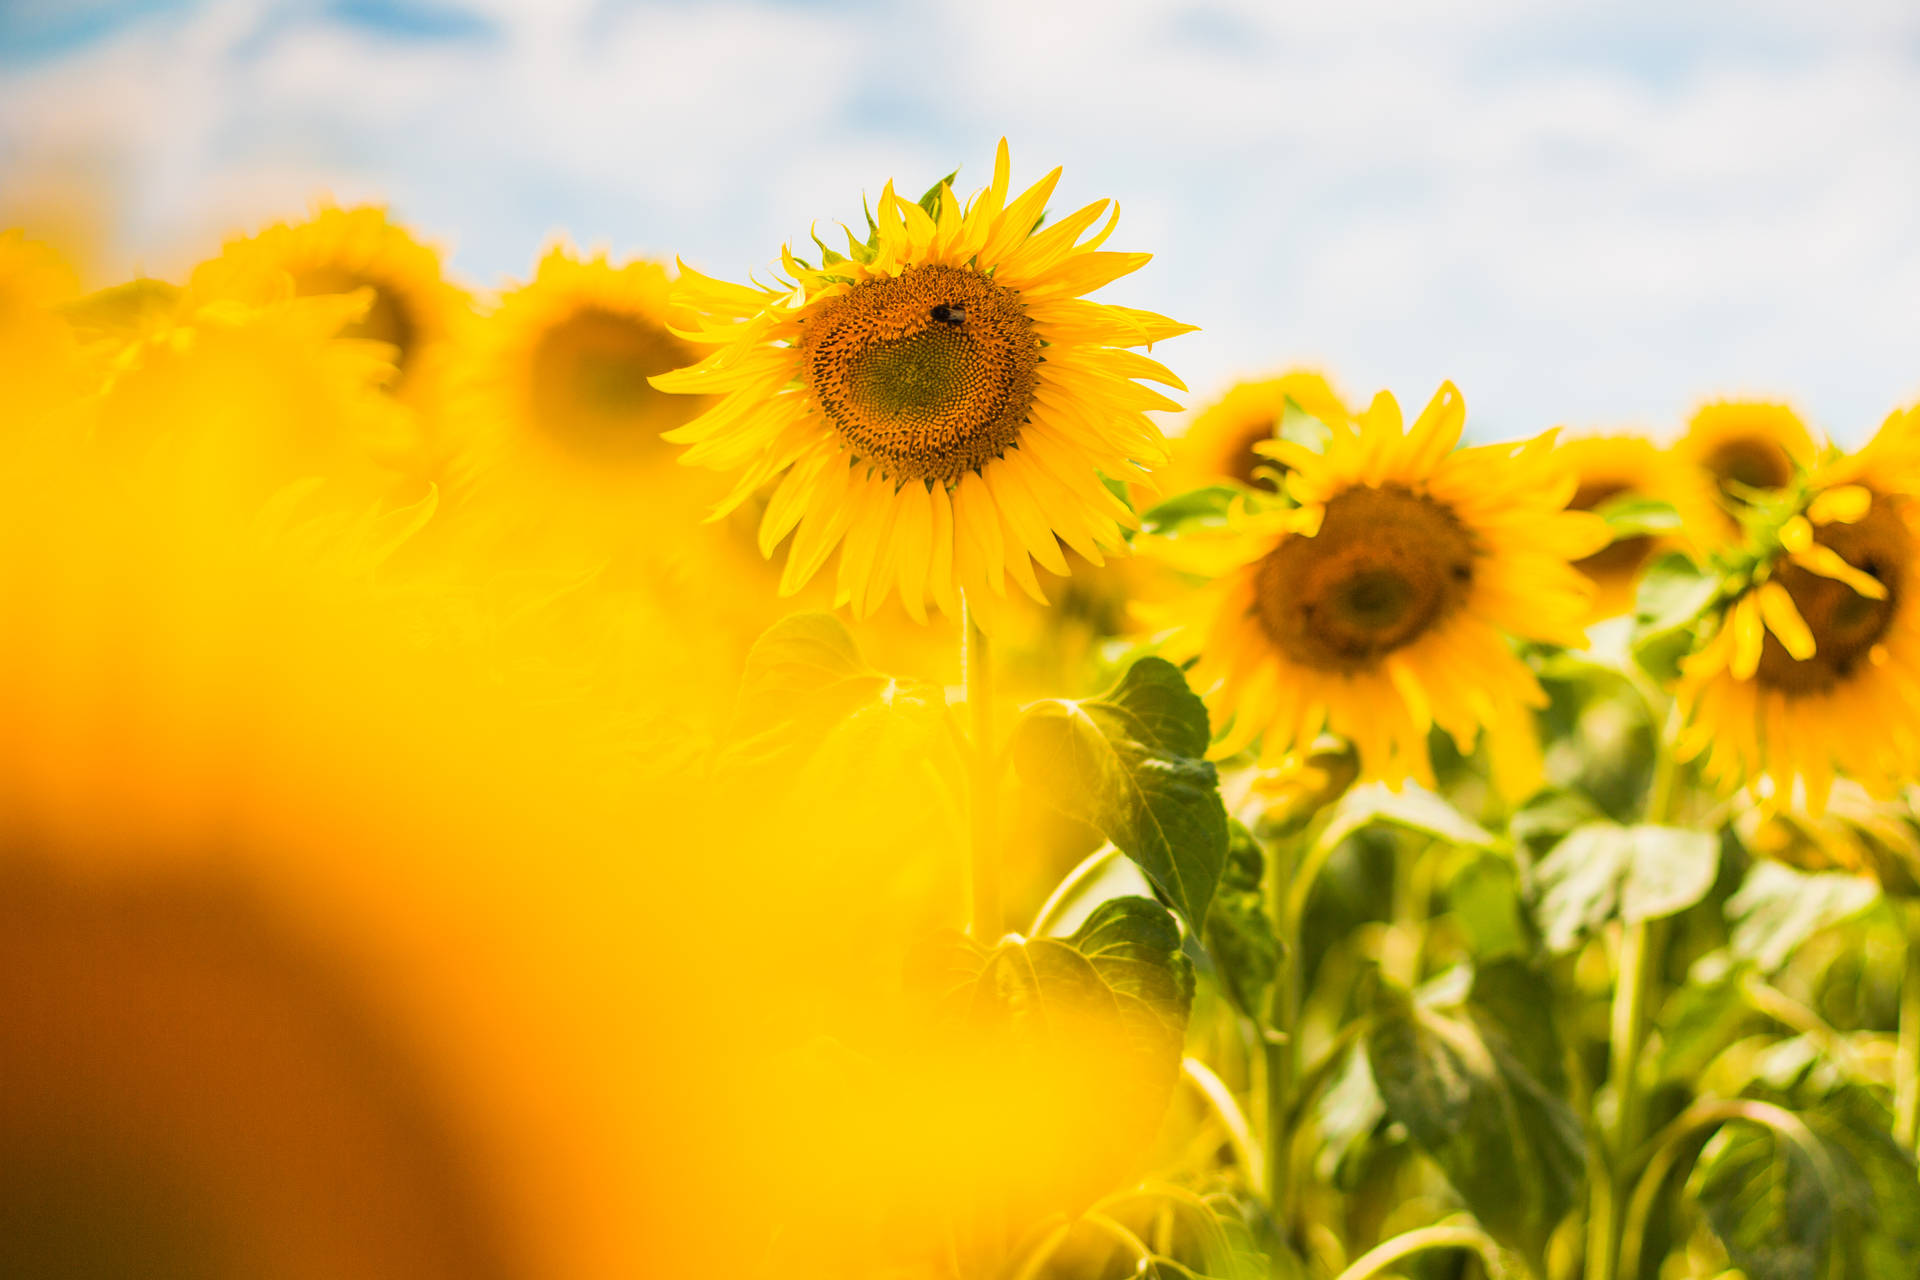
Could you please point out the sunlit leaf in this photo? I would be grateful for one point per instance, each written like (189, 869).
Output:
(1412, 808)
(1197, 507)
(1673, 593)
(1768, 1201)
(804, 676)
(1601, 871)
(1778, 908)
(1484, 896)
(1132, 764)
(1483, 1092)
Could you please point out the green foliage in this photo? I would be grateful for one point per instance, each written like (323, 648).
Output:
(1483, 1092)
(1132, 765)
(1674, 593)
(1197, 508)
(1602, 871)
(1778, 908)
(930, 200)
(1412, 808)
(1239, 933)
(1484, 895)
(804, 677)
(1635, 515)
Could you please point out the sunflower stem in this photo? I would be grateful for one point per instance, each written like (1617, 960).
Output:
(1906, 1083)
(1280, 1038)
(989, 911)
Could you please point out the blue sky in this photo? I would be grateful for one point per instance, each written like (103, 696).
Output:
(1586, 214)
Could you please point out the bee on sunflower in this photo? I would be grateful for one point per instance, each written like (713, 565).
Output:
(1386, 601)
(1221, 443)
(942, 404)
(1810, 661)
(1734, 452)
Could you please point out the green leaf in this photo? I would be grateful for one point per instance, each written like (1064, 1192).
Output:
(1413, 808)
(1347, 1114)
(805, 677)
(1081, 1035)
(1132, 764)
(1634, 515)
(1701, 1017)
(122, 310)
(1484, 895)
(1673, 593)
(1602, 870)
(1766, 1199)
(1239, 933)
(1301, 427)
(1778, 908)
(1880, 1207)
(1484, 1094)
(931, 200)
(1196, 507)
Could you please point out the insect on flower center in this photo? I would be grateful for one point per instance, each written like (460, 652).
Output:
(1386, 566)
(1845, 624)
(387, 318)
(587, 383)
(928, 374)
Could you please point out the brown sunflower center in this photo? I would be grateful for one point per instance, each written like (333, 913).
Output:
(1243, 462)
(587, 383)
(1622, 556)
(928, 374)
(1386, 567)
(1845, 624)
(387, 319)
(1753, 462)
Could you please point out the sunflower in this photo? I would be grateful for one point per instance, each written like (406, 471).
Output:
(412, 307)
(1219, 445)
(1609, 469)
(1813, 666)
(36, 345)
(1383, 605)
(1732, 451)
(942, 403)
(556, 376)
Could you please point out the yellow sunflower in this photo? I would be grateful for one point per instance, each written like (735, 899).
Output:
(1732, 449)
(942, 404)
(413, 308)
(556, 376)
(1219, 444)
(36, 345)
(1610, 468)
(1814, 667)
(1384, 604)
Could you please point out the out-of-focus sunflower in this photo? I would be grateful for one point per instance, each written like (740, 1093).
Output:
(1611, 468)
(1732, 449)
(555, 379)
(413, 308)
(36, 346)
(1218, 445)
(1383, 605)
(1855, 833)
(942, 404)
(1813, 665)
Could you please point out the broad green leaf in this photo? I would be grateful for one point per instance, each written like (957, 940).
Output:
(1081, 1037)
(1778, 908)
(804, 676)
(1132, 765)
(1412, 808)
(1197, 507)
(1673, 593)
(1880, 1208)
(1602, 870)
(1239, 933)
(1484, 895)
(1484, 1094)
(1768, 1201)
(1347, 1114)
(1701, 1017)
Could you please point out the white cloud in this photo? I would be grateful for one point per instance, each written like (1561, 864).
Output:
(1580, 213)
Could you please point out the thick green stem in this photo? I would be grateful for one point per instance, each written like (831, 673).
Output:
(989, 908)
(1906, 1062)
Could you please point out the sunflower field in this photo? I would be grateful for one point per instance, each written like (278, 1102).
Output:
(837, 773)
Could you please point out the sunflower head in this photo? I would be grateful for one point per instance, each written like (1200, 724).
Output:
(939, 404)
(1810, 665)
(1220, 444)
(1613, 470)
(1734, 453)
(409, 307)
(1384, 604)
